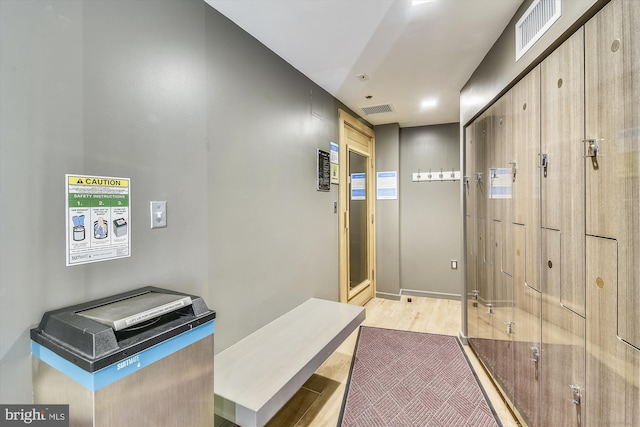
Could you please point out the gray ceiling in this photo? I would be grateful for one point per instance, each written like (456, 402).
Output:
(415, 57)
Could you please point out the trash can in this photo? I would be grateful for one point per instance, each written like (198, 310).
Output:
(140, 358)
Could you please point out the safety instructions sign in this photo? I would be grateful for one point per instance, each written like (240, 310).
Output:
(98, 218)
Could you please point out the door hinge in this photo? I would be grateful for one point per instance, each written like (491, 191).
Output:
(373, 274)
(371, 218)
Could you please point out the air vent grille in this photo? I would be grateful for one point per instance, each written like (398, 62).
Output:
(377, 109)
(535, 22)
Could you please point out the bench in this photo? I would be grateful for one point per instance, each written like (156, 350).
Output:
(256, 376)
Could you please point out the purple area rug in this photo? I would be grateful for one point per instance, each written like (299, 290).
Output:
(401, 378)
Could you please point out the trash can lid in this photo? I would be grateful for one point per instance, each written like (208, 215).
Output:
(98, 333)
(132, 311)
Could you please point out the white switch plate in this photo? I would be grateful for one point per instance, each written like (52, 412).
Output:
(158, 214)
(454, 264)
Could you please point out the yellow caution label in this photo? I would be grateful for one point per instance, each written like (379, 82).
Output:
(98, 181)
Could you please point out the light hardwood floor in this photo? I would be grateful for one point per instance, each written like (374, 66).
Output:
(319, 401)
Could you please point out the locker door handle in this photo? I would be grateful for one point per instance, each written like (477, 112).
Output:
(593, 151)
(514, 169)
(544, 162)
(509, 330)
(535, 353)
(576, 394)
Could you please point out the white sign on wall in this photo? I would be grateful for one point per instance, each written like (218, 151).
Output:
(98, 218)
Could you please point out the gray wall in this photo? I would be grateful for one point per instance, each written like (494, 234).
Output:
(174, 96)
(499, 68)
(430, 235)
(388, 215)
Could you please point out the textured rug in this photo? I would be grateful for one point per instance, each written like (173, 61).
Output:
(401, 378)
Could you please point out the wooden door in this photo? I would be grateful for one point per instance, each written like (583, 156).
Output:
(563, 344)
(562, 207)
(613, 122)
(357, 211)
(526, 245)
(562, 123)
(526, 156)
(471, 250)
(612, 91)
(527, 346)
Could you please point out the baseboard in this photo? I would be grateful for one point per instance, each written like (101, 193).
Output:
(415, 293)
(385, 295)
(441, 295)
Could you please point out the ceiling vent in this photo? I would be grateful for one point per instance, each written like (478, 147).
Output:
(377, 109)
(535, 22)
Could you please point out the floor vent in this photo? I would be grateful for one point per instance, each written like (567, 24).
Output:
(377, 109)
(535, 22)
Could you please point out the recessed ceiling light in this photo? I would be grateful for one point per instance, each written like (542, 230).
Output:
(429, 103)
(417, 2)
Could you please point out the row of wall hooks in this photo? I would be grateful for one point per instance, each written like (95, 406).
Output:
(442, 175)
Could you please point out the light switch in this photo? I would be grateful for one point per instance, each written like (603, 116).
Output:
(454, 264)
(158, 214)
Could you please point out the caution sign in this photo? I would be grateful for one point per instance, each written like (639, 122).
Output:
(98, 218)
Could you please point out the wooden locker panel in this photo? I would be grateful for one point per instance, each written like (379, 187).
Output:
(470, 170)
(472, 235)
(526, 186)
(562, 361)
(503, 333)
(501, 156)
(612, 90)
(562, 188)
(484, 342)
(526, 339)
(613, 366)
(472, 299)
(525, 118)
(480, 181)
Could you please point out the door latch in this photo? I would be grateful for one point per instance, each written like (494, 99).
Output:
(544, 162)
(509, 327)
(535, 353)
(474, 297)
(576, 394)
(593, 151)
(514, 170)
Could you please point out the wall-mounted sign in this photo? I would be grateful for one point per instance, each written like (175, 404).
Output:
(324, 171)
(387, 185)
(358, 186)
(98, 218)
(501, 183)
(335, 168)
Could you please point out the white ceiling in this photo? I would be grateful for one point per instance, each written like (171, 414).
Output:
(410, 53)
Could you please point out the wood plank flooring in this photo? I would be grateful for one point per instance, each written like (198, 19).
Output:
(319, 401)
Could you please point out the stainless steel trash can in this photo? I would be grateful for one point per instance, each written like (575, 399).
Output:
(140, 358)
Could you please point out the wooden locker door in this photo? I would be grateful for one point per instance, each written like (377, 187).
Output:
(562, 361)
(471, 231)
(502, 362)
(526, 339)
(500, 160)
(483, 223)
(470, 170)
(526, 185)
(563, 175)
(613, 123)
(612, 393)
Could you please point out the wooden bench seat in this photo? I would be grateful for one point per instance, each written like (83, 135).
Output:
(256, 376)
